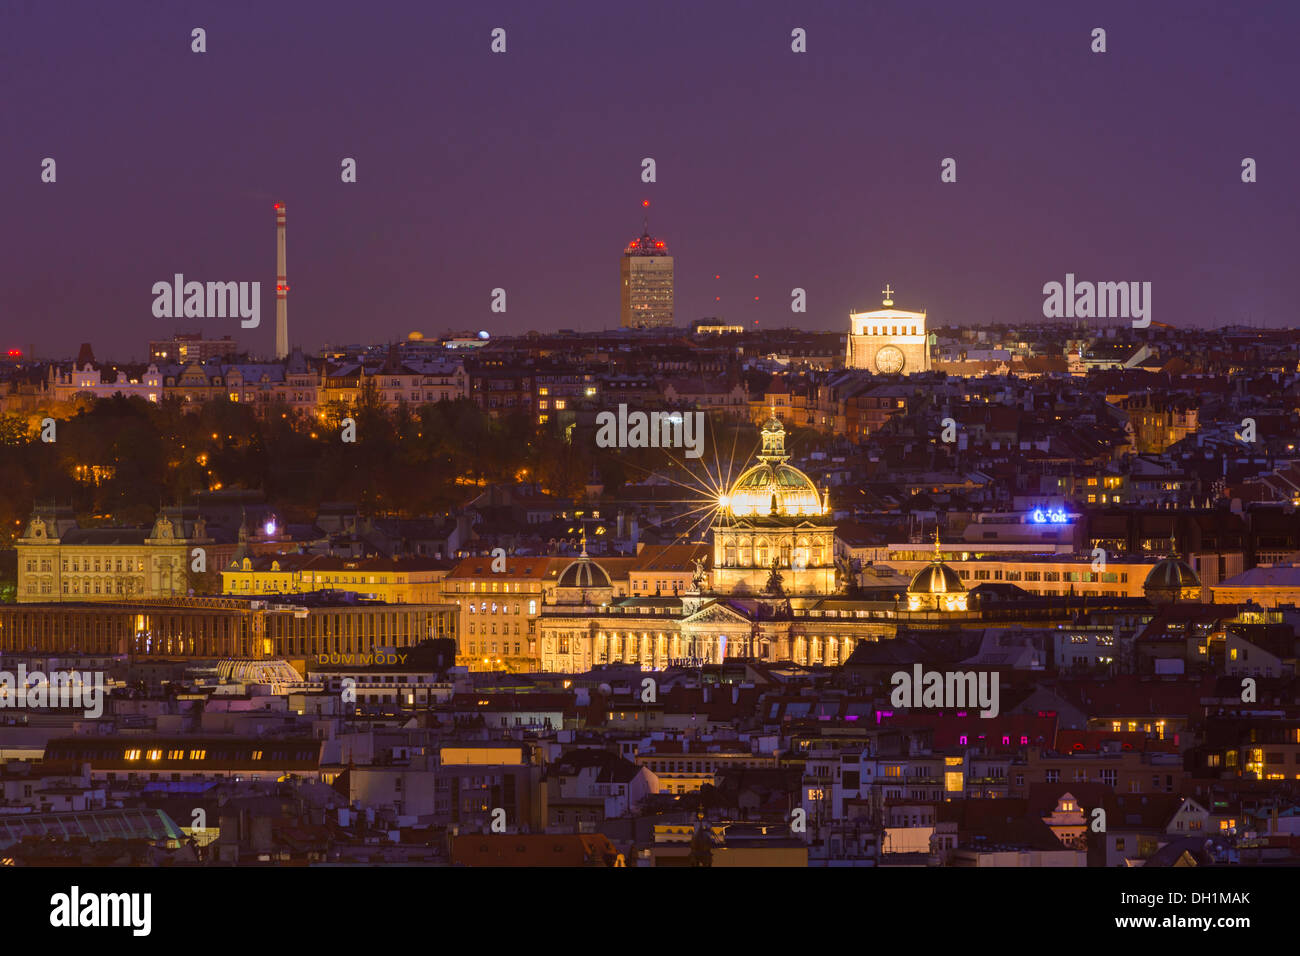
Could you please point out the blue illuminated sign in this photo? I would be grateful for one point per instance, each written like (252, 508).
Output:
(1047, 516)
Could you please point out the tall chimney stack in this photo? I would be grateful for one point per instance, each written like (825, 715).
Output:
(281, 287)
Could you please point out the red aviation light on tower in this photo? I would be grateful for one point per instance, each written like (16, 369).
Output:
(645, 203)
(15, 353)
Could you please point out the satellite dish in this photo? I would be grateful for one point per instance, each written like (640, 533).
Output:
(605, 689)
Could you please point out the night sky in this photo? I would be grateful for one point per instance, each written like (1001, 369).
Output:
(522, 170)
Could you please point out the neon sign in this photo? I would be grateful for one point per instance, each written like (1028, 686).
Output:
(1048, 516)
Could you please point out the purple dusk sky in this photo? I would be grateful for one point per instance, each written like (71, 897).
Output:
(477, 170)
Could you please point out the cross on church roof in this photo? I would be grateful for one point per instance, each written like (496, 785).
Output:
(888, 293)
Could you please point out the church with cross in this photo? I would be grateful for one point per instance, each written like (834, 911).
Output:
(888, 341)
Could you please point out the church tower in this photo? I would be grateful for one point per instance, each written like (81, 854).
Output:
(888, 341)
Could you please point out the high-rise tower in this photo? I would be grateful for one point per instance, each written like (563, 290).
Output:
(646, 272)
(281, 287)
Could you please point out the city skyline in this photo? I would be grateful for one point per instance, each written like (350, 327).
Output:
(923, 492)
(470, 177)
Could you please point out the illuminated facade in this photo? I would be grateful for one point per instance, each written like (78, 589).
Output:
(646, 274)
(660, 632)
(59, 561)
(64, 386)
(1266, 586)
(1044, 574)
(888, 341)
(499, 609)
(412, 581)
(775, 594)
(772, 593)
(773, 518)
(221, 627)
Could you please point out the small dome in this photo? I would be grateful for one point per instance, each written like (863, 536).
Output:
(1171, 574)
(936, 578)
(584, 573)
(416, 337)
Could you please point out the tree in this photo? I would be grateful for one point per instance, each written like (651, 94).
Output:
(13, 430)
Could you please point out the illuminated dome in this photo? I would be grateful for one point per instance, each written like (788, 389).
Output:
(416, 336)
(936, 587)
(584, 573)
(1172, 580)
(936, 579)
(773, 487)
